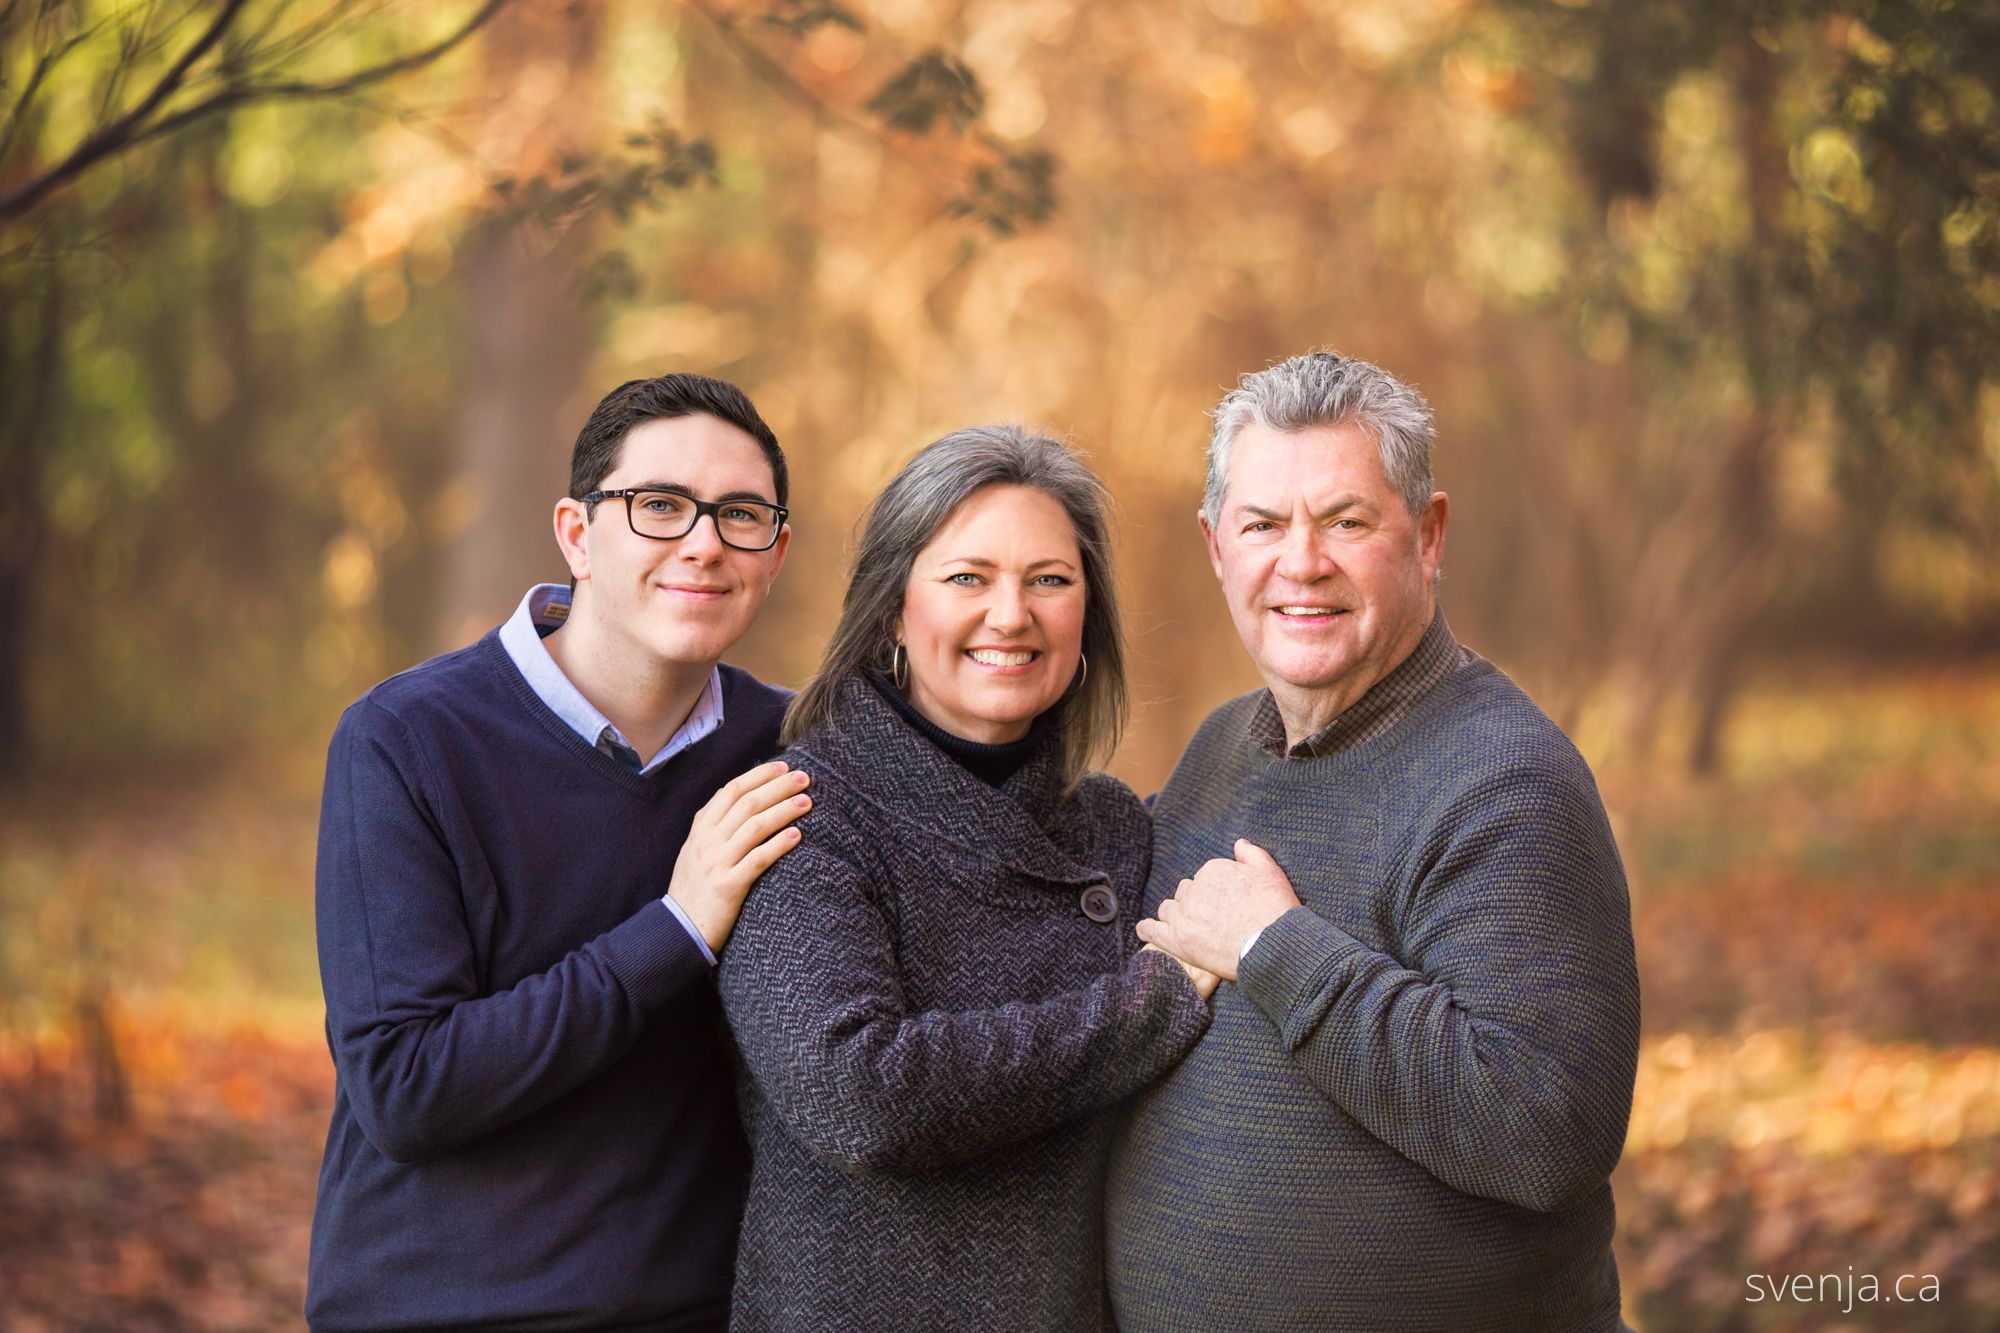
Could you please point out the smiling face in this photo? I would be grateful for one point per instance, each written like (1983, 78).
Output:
(1327, 574)
(682, 602)
(993, 615)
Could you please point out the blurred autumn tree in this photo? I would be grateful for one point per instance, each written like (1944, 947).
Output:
(86, 86)
(1704, 297)
(1787, 215)
(279, 388)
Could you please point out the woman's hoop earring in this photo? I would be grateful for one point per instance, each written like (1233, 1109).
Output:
(899, 668)
(1082, 671)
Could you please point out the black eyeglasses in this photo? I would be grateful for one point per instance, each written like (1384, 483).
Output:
(747, 525)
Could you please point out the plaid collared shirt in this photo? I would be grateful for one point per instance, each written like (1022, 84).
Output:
(1436, 656)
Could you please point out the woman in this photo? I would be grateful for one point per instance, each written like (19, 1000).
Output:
(937, 994)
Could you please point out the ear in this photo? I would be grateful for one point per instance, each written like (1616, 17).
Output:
(572, 535)
(1209, 540)
(778, 554)
(1430, 533)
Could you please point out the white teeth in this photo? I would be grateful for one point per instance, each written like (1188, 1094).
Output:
(1307, 611)
(990, 657)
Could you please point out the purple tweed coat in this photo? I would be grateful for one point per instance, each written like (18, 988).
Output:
(938, 1002)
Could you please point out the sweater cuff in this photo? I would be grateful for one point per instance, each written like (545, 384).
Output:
(687, 924)
(653, 956)
(1187, 1013)
(1294, 959)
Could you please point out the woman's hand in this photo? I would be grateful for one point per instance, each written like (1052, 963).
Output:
(1212, 917)
(1204, 982)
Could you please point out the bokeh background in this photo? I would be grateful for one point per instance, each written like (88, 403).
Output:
(302, 303)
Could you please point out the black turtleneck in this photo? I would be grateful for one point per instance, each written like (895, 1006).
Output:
(991, 764)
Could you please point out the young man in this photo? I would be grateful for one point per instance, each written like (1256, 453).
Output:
(530, 852)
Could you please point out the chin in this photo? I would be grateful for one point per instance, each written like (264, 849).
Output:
(705, 645)
(1013, 712)
(1311, 675)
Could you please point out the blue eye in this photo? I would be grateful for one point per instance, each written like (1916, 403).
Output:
(962, 579)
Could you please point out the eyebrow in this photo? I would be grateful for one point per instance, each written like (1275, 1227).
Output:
(980, 562)
(1346, 502)
(688, 491)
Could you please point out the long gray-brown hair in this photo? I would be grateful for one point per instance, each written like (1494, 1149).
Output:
(901, 522)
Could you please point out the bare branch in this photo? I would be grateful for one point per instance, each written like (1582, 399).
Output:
(132, 129)
(44, 64)
(388, 69)
(293, 44)
(117, 135)
(780, 78)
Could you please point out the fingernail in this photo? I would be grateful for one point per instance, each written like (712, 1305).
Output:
(803, 802)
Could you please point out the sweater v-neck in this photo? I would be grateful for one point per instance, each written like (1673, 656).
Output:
(1290, 772)
(647, 786)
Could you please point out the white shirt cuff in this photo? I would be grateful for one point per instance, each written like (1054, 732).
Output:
(1249, 944)
(687, 924)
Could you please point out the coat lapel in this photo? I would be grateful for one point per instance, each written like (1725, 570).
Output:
(1026, 825)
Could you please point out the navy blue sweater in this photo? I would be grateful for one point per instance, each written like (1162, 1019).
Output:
(534, 1121)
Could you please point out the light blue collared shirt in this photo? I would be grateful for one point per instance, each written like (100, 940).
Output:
(546, 607)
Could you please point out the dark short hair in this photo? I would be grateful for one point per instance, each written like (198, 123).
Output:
(636, 402)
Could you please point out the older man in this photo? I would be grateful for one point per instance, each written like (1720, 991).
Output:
(1406, 1111)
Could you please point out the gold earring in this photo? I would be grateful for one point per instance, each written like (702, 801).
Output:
(1082, 671)
(899, 668)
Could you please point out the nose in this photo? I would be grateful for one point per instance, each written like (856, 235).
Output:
(1305, 557)
(703, 542)
(1007, 612)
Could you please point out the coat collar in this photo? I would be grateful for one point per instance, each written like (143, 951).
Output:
(1029, 824)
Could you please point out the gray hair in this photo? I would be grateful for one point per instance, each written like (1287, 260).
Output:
(1327, 389)
(901, 522)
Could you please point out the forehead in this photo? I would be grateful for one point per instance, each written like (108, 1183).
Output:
(1267, 464)
(1005, 520)
(701, 452)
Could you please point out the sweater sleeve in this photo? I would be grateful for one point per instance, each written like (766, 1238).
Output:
(428, 1060)
(1500, 1055)
(813, 992)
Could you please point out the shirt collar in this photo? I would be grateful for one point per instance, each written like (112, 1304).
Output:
(541, 613)
(1436, 656)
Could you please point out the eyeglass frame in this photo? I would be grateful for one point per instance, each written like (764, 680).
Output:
(712, 509)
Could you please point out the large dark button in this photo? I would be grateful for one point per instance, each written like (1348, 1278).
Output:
(1100, 904)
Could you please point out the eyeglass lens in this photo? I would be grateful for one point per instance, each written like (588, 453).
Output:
(668, 514)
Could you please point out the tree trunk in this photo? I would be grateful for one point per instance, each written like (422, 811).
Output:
(28, 393)
(1749, 512)
(530, 344)
(1716, 560)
